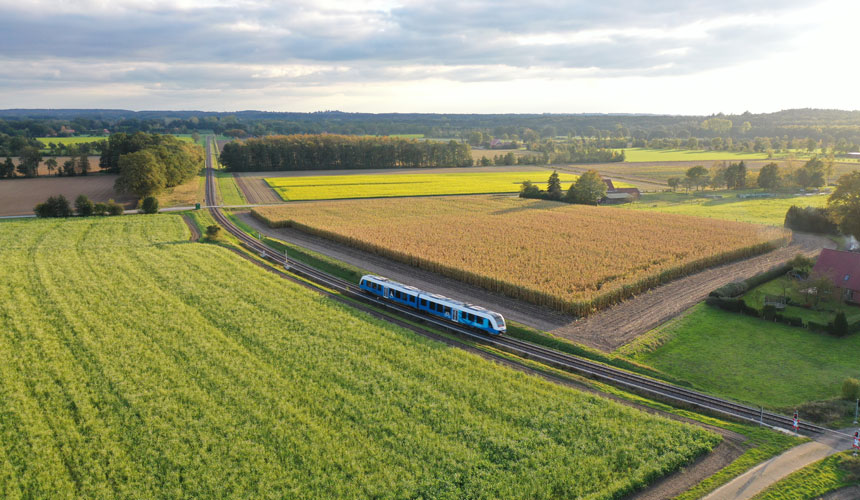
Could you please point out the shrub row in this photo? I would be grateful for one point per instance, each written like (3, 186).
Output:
(740, 287)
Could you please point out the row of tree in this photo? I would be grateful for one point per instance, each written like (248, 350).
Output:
(588, 189)
(149, 163)
(327, 151)
(58, 206)
(813, 174)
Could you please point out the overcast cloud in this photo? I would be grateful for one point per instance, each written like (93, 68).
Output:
(448, 56)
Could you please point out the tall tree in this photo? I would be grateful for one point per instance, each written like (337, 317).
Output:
(141, 174)
(84, 163)
(768, 176)
(51, 165)
(553, 186)
(7, 168)
(589, 189)
(673, 183)
(28, 164)
(697, 175)
(844, 204)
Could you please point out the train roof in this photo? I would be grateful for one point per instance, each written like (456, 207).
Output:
(392, 282)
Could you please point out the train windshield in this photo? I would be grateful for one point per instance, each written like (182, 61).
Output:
(499, 320)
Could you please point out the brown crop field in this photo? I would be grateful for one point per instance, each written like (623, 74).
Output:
(573, 258)
(19, 196)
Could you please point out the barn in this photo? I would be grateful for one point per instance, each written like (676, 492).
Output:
(619, 195)
(844, 269)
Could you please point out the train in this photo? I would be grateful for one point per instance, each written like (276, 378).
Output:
(434, 304)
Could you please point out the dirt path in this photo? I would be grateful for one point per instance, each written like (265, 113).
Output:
(606, 330)
(195, 233)
(256, 191)
(609, 329)
(757, 479)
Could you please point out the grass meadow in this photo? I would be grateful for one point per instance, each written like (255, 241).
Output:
(332, 187)
(748, 359)
(767, 211)
(573, 258)
(134, 363)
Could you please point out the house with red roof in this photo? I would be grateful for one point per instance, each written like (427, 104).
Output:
(619, 195)
(844, 269)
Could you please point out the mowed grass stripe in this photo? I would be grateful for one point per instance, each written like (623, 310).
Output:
(391, 185)
(135, 363)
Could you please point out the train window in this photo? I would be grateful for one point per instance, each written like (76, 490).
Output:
(424, 302)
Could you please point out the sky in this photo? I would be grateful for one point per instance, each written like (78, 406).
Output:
(582, 56)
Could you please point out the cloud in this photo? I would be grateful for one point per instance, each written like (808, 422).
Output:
(216, 44)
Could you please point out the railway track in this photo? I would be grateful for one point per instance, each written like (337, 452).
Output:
(592, 369)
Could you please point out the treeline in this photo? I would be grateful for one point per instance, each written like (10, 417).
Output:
(327, 151)
(149, 163)
(746, 131)
(589, 189)
(813, 174)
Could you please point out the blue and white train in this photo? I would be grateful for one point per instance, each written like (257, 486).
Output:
(434, 304)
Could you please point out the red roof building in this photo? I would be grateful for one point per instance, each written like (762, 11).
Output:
(844, 269)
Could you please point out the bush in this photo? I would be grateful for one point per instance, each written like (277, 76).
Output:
(149, 205)
(55, 206)
(818, 327)
(213, 233)
(100, 209)
(768, 313)
(769, 275)
(810, 220)
(839, 327)
(851, 389)
(83, 206)
(730, 290)
(114, 208)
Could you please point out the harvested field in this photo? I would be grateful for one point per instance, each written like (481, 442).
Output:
(43, 169)
(477, 154)
(19, 196)
(572, 258)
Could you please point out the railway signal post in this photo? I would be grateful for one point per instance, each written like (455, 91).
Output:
(856, 445)
(795, 422)
(856, 407)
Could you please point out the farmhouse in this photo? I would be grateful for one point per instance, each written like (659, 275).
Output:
(619, 195)
(844, 269)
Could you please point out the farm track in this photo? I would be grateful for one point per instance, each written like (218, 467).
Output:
(256, 191)
(621, 378)
(611, 328)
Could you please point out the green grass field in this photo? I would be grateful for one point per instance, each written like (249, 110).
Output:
(135, 364)
(769, 211)
(649, 155)
(94, 138)
(333, 187)
(749, 359)
(229, 190)
(832, 473)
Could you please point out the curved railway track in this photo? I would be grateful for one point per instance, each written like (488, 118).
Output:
(615, 376)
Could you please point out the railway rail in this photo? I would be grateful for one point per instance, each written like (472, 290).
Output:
(592, 369)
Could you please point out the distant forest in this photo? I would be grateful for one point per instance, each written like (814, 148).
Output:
(807, 129)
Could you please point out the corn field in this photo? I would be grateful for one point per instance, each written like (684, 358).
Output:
(573, 258)
(136, 364)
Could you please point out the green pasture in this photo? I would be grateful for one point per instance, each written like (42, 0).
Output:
(228, 189)
(768, 211)
(135, 364)
(749, 359)
(332, 187)
(71, 140)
